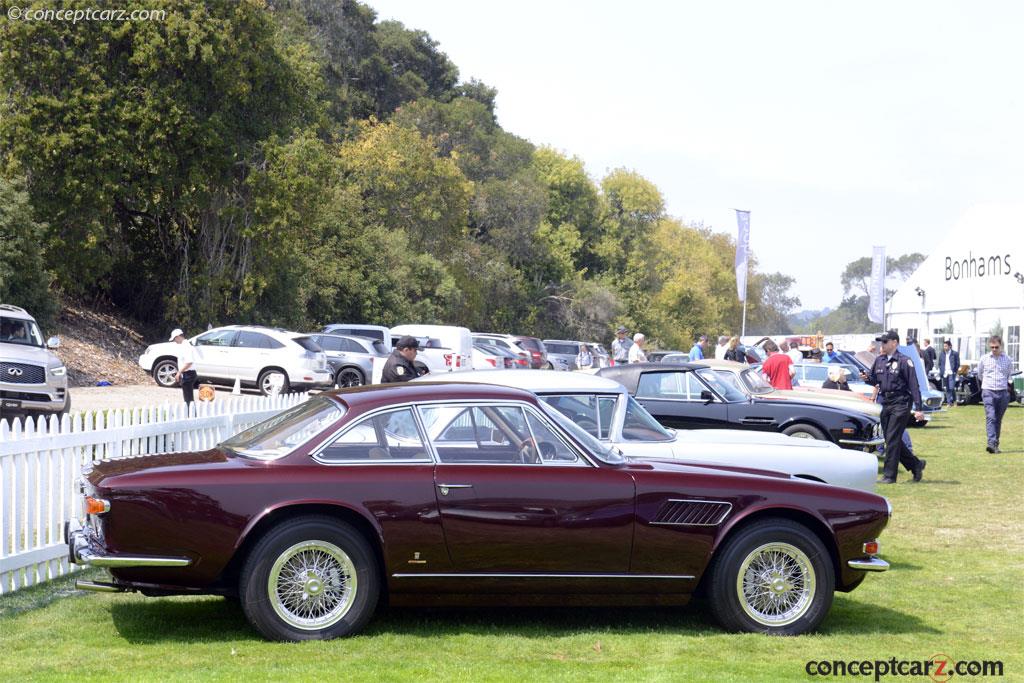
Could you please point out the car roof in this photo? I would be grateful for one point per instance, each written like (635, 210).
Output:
(378, 395)
(531, 380)
(12, 311)
(629, 374)
(719, 363)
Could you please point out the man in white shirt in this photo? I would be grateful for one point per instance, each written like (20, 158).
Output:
(636, 351)
(723, 346)
(186, 365)
(794, 353)
(995, 370)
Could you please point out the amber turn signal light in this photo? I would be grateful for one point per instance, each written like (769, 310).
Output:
(871, 548)
(96, 506)
(849, 430)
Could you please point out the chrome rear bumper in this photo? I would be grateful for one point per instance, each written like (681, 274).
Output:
(85, 549)
(868, 564)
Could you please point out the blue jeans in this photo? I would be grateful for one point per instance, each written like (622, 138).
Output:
(995, 405)
(949, 383)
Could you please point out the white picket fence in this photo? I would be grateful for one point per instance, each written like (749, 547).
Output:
(41, 462)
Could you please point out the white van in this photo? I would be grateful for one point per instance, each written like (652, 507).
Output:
(443, 348)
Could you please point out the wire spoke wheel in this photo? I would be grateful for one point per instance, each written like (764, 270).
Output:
(312, 585)
(776, 584)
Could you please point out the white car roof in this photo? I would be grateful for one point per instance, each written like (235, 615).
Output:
(537, 381)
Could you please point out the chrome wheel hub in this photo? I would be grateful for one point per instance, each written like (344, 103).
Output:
(776, 584)
(312, 585)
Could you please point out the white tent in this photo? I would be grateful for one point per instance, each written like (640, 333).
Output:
(970, 285)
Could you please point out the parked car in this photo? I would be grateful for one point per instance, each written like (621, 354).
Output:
(32, 379)
(601, 357)
(694, 396)
(659, 356)
(351, 358)
(813, 375)
(750, 380)
(453, 493)
(377, 332)
(530, 348)
(447, 348)
(562, 353)
(605, 409)
(490, 357)
(260, 357)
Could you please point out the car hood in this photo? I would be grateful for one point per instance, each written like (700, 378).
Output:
(807, 397)
(19, 353)
(687, 437)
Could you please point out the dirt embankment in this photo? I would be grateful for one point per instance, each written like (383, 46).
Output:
(99, 347)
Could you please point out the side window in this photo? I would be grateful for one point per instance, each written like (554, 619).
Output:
(816, 373)
(351, 346)
(216, 338)
(252, 340)
(549, 447)
(580, 409)
(496, 435)
(330, 343)
(388, 436)
(606, 409)
(661, 385)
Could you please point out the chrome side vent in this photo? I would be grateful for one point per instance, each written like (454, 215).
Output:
(692, 513)
(758, 421)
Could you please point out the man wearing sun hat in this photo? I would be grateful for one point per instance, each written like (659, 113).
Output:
(186, 365)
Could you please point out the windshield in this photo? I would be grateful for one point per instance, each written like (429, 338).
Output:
(756, 383)
(283, 433)
(20, 331)
(602, 451)
(640, 425)
(729, 392)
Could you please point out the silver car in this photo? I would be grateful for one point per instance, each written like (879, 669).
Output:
(562, 353)
(351, 358)
(32, 380)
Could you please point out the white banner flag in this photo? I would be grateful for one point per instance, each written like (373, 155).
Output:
(876, 303)
(742, 246)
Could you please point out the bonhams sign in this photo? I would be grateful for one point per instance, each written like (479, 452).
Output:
(977, 267)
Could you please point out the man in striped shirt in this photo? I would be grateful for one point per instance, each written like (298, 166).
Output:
(994, 370)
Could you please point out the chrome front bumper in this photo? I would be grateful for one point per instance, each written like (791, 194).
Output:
(868, 564)
(86, 550)
(864, 443)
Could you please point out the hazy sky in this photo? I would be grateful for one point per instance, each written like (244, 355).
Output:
(837, 125)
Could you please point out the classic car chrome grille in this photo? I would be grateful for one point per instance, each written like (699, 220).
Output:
(692, 512)
(22, 373)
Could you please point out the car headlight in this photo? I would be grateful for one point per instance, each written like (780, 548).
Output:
(59, 371)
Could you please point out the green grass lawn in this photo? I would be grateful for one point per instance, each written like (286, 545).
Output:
(956, 587)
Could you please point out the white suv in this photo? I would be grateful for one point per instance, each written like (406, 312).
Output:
(256, 356)
(32, 380)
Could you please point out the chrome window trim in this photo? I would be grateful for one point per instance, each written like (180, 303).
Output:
(721, 519)
(315, 453)
(584, 460)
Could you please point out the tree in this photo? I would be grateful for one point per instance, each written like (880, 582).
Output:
(24, 281)
(856, 276)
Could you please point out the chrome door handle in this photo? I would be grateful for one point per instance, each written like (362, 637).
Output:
(445, 487)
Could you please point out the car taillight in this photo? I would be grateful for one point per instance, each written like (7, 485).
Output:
(536, 354)
(448, 359)
(871, 548)
(491, 361)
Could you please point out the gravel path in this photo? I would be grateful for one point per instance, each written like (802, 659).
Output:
(136, 396)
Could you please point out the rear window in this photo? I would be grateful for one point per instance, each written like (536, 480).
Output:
(532, 344)
(308, 344)
(283, 433)
(568, 349)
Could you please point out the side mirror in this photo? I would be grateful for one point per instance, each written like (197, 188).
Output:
(706, 396)
(53, 342)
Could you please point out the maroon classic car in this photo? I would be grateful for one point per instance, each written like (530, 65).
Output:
(465, 494)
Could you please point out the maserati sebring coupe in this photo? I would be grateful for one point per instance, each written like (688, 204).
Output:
(694, 396)
(453, 494)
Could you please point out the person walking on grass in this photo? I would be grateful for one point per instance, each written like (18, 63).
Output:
(994, 371)
(896, 380)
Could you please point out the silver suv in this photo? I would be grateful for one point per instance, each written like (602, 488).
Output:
(32, 380)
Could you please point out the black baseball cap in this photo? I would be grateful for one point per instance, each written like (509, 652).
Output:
(408, 342)
(891, 335)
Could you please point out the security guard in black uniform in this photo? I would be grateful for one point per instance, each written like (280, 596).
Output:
(399, 366)
(894, 375)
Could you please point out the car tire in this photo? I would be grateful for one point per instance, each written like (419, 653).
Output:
(804, 431)
(310, 578)
(349, 377)
(164, 373)
(263, 382)
(774, 576)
